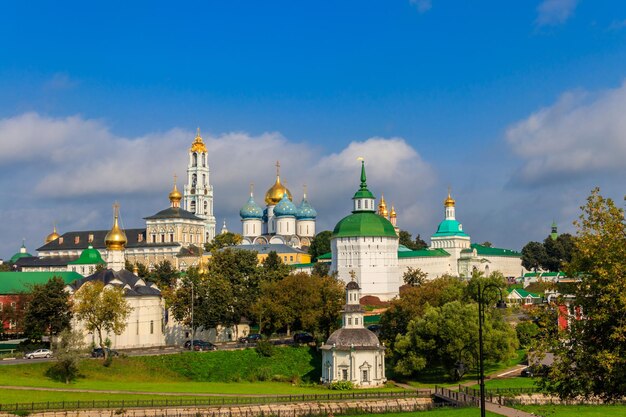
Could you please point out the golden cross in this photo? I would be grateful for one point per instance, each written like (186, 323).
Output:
(277, 168)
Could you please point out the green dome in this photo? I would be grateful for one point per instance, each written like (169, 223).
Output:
(19, 255)
(364, 223)
(89, 256)
(450, 227)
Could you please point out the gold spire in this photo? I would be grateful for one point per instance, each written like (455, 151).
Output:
(382, 207)
(54, 235)
(198, 145)
(175, 195)
(449, 202)
(116, 238)
(393, 212)
(277, 191)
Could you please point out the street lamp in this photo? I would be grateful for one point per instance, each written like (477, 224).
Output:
(191, 347)
(481, 320)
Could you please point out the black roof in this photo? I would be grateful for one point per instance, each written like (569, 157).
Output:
(35, 261)
(174, 213)
(352, 285)
(67, 241)
(120, 279)
(361, 339)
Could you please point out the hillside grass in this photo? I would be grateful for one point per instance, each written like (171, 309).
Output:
(604, 410)
(437, 412)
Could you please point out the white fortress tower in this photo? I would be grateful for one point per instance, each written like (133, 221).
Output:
(198, 192)
(364, 246)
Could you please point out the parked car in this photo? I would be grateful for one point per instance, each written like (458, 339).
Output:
(251, 338)
(39, 353)
(374, 328)
(303, 337)
(200, 345)
(527, 372)
(99, 353)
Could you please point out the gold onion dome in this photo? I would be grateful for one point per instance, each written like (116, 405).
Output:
(175, 195)
(116, 238)
(393, 212)
(198, 145)
(382, 207)
(449, 202)
(277, 191)
(52, 236)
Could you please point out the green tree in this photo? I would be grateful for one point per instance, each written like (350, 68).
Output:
(412, 302)
(526, 331)
(558, 252)
(590, 356)
(479, 281)
(533, 256)
(486, 244)
(420, 243)
(223, 240)
(5, 267)
(406, 239)
(49, 310)
(67, 348)
(101, 310)
(321, 269)
(320, 244)
(448, 335)
(414, 277)
(164, 275)
(273, 268)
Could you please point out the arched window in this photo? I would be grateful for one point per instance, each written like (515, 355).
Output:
(206, 205)
(192, 207)
(203, 159)
(203, 180)
(194, 160)
(194, 179)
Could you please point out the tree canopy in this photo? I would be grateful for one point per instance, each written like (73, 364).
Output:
(223, 240)
(406, 239)
(49, 310)
(320, 244)
(594, 344)
(549, 255)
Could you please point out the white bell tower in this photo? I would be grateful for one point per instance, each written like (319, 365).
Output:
(198, 192)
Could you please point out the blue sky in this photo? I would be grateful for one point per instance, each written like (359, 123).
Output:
(516, 105)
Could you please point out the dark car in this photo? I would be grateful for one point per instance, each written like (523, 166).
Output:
(200, 345)
(303, 337)
(251, 338)
(374, 328)
(527, 372)
(99, 353)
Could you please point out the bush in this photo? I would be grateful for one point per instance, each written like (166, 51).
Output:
(64, 371)
(341, 385)
(265, 348)
(526, 332)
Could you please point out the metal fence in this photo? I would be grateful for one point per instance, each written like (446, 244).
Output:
(211, 401)
(455, 397)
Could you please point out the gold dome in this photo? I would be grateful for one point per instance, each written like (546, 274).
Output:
(52, 236)
(175, 195)
(393, 212)
(276, 193)
(198, 145)
(449, 202)
(116, 238)
(382, 207)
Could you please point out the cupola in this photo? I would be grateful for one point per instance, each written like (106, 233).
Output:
(285, 207)
(276, 191)
(115, 240)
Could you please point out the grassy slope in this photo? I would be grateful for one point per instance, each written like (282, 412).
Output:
(188, 372)
(443, 412)
(576, 410)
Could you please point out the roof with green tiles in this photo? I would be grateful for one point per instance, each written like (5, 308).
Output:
(449, 227)
(89, 256)
(487, 251)
(328, 255)
(544, 274)
(423, 253)
(21, 282)
(523, 293)
(308, 265)
(364, 223)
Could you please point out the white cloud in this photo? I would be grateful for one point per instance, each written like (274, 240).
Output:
(71, 169)
(554, 12)
(422, 5)
(579, 135)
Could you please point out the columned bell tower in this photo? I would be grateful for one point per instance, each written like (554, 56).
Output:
(198, 192)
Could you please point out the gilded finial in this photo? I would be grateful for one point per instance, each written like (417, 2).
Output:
(449, 202)
(277, 169)
(198, 132)
(251, 189)
(304, 187)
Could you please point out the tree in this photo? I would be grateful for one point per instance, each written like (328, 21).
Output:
(412, 302)
(101, 310)
(447, 336)
(5, 267)
(321, 269)
(486, 244)
(223, 240)
(558, 252)
(164, 275)
(67, 352)
(526, 331)
(320, 244)
(420, 243)
(414, 277)
(478, 281)
(49, 310)
(590, 355)
(533, 256)
(273, 268)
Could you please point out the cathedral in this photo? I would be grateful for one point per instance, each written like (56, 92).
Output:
(281, 222)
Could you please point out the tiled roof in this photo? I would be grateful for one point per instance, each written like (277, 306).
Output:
(81, 240)
(21, 282)
(132, 284)
(174, 213)
(422, 253)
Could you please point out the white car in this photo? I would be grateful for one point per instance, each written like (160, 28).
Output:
(39, 353)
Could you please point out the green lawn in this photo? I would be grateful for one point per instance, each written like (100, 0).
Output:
(516, 382)
(575, 410)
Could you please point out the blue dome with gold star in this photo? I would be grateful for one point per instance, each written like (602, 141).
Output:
(285, 207)
(306, 211)
(251, 210)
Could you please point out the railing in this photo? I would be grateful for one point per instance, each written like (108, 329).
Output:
(496, 394)
(456, 397)
(210, 401)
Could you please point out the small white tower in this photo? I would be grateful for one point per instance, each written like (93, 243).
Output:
(115, 242)
(198, 192)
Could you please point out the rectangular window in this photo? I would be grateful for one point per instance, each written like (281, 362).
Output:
(291, 258)
(137, 331)
(90, 238)
(76, 240)
(139, 237)
(61, 240)
(350, 321)
(151, 327)
(171, 237)
(344, 374)
(364, 372)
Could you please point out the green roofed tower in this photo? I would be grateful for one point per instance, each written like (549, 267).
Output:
(365, 245)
